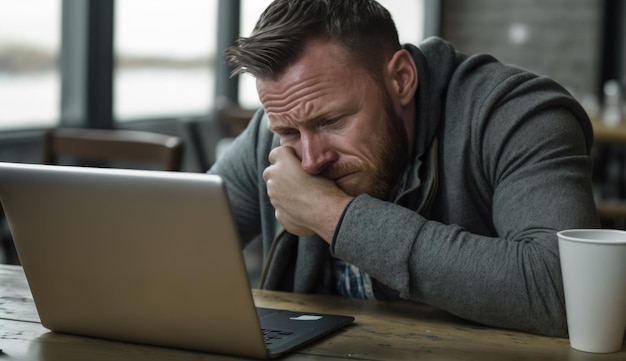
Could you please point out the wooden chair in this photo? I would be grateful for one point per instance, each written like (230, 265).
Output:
(103, 146)
(232, 119)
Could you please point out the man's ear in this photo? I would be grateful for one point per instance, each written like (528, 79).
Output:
(402, 73)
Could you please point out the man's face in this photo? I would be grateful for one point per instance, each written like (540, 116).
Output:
(338, 120)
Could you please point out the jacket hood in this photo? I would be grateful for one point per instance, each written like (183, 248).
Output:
(432, 53)
(435, 60)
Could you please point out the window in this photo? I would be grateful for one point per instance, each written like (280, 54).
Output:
(30, 33)
(164, 51)
(408, 15)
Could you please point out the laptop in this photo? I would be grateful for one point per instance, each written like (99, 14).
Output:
(147, 257)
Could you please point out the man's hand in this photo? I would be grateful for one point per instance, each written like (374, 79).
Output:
(305, 204)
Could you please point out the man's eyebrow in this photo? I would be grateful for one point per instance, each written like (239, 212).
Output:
(310, 122)
(277, 128)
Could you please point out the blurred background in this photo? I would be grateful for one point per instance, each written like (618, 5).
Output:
(158, 66)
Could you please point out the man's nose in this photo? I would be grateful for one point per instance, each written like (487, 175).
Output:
(315, 154)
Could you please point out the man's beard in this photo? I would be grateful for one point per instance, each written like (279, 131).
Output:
(392, 153)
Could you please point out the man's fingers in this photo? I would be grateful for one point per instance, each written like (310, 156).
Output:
(280, 152)
(272, 156)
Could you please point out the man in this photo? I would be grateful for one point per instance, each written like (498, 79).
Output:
(387, 172)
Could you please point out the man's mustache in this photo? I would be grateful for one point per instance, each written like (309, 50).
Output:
(337, 171)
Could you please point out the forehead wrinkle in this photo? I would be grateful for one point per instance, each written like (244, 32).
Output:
(302, 115)
(299, 104)
(307, 91)
(281, 99)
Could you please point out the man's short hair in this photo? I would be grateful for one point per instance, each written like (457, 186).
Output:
(363, 28)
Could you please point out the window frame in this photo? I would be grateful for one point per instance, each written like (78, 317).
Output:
(87, 58)
(87, 63)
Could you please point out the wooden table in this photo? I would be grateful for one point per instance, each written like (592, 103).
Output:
(604, 134)
(382, 331)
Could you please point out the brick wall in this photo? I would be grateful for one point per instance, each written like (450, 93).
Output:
(557, 38)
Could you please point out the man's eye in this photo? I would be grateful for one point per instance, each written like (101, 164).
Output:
(289, 132)
(329, 122)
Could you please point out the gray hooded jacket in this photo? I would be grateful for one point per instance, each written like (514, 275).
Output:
(501, 162)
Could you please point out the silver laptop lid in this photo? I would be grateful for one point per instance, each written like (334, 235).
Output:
(141, 256)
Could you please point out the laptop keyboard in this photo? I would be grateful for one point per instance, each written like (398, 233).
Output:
(271, 336)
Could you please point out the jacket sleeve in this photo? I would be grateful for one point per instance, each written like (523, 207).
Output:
(241, 167)
(535, 176)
